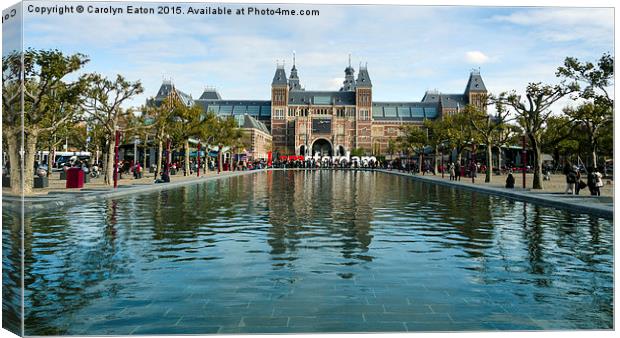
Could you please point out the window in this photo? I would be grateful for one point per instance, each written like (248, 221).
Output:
(226, 109)
(278, 114)
(431, 112)
(403, 112)
(253, 110)
(390, 111)
(322, 100)
(364, 114)
(350, 111)
(265, 111)
(239, 110)
(417, 112)
(377, 111)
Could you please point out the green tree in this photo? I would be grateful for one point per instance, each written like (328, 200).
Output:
(532, 111)
(597, 78)
(436, 131)
(43, 90)
(187, 123)
(560, 138)
(459, 133)
(391, 148)
(412, 140)
(597, 112)
(226, 133)
(591, 118)
(103, 100)
(492, 130)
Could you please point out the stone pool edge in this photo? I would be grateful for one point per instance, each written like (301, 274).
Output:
(44, 202)
(524, 196)
(39, 203)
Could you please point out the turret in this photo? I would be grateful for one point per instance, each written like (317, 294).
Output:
(349, 78)
(476, 91)
(293, 80)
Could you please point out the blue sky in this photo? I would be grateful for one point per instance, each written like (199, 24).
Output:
(408, 49)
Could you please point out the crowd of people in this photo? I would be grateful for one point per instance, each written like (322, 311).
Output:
(574, 180)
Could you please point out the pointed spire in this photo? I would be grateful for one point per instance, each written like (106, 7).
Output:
(293, 80)
(349, 59)
(363, 79)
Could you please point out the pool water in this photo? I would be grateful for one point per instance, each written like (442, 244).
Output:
(309, 251)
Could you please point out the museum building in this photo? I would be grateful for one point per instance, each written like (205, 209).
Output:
(332, 123)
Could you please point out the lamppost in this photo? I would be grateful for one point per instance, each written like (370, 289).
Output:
(442, 167)
(167, 167)
(524, 156)
(474, 167)
(136, 140)
(117, 140)
(198, 159)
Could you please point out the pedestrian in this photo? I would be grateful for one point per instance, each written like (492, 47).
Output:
(458, 171)
(571, 178)
(452, 172)
(510, 181)
(578, 180)
(598, 183)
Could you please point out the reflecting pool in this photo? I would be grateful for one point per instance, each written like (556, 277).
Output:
(310, 251)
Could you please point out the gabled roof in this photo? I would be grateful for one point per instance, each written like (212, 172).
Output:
(363, 79)
(210, 94)
(279, 78)
(252, 123)
(431, 96)
(457, 101)
(166, 89)
(475, 83)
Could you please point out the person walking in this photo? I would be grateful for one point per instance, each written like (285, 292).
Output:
(457, 171)
(598, 182)
(452, 172)
(577, 180)
(571, 178)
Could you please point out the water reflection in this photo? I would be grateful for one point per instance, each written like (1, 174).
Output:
(305, 242)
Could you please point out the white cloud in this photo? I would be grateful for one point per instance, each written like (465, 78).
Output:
(564, 24)
(476, 57)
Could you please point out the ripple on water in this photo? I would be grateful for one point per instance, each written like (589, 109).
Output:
(306, 243)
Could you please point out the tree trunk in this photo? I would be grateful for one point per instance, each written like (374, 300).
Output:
(489, 172)
(160, 152)
(499, 158)
(146, 149)
(186, 150)
(30, 148)
(108, 177)
(435, 171)
(219, 159)
(13, 142)
(537, 165)
(50, 161)
(421, 160)
(232, 160)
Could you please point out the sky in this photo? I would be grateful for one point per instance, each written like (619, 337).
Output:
(408, 49)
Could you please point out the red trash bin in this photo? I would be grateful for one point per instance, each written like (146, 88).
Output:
(75, 178)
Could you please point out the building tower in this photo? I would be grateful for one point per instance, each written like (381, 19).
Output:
(363, 107)
(293, 80)
(476, 92)
(279, 109)
(349, 78)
